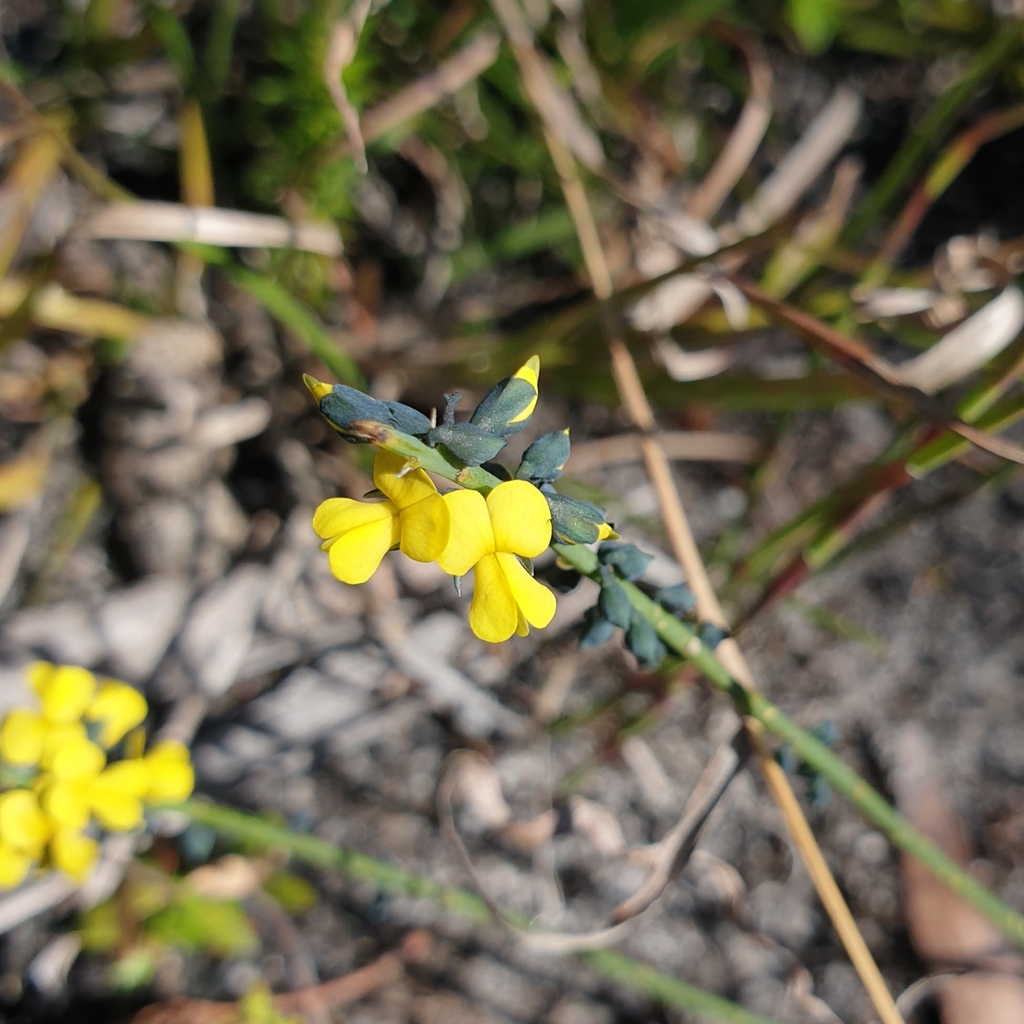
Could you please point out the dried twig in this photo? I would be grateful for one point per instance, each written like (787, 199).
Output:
(449, 76)
(683, 445)
(349, 988)
(341, 49)
(674, 849)
(173, 222)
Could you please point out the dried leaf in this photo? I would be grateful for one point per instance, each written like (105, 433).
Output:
(230, 878)
(967, 347)
(478, 789)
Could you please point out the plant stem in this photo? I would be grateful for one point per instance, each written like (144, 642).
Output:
(682, 639)
(252, 829)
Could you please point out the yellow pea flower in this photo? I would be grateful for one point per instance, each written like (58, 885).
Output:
(64, 690)
(171, 776)
(115, 795)
(23, 826)
(22, 737)
(78, 758)
(118, 708)
(14, 866)
(357, 534)
(74, 853)
(486, 536)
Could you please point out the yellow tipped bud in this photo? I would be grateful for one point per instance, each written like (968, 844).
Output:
(605, 532)
(317, 387)
(530, 371)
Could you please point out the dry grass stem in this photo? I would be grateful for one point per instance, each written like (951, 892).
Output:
(799, 168)
(746, 136)
(53, 307)
(173, 222)
(341, 49)
(682, 446)
(450, 76)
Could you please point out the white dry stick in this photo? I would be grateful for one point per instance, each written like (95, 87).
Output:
(340, 50)
(886, 302)
(173, 222)
(967, 347)
(799, 168)
(556, 107)
(450, 76)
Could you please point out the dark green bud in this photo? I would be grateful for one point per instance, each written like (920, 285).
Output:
(629, 561)
(643, 641)
(545, 458)
(509, 406)
(614, 601)
(678, 599)
(409, 420)
(578, 522)
(596, 630)
(468, 443)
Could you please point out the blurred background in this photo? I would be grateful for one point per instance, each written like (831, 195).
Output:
(811, 216)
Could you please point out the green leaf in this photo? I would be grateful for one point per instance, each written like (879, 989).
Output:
(293, 892)
(193, 922)
(815, 22)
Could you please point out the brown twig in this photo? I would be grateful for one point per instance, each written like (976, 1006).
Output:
(341, 49)
(682, 445)
(349, 988)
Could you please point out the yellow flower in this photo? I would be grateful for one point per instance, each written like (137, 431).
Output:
(23, 826)
(117, 708)
(14, 866)
(74, 853)
(171, 776)
(357, 534)
(64, 690)
(22, 736)
(486, 536)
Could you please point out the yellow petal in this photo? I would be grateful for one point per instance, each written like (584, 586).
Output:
(172, 782)
(59, 735)
(14, 866)
(132, 776)
(471, 536)
(426, 526)
(403, 490)
(169, 750)
(39, 673)
(119, 812)
(118, 708)
(317, 387)
(530, 372)
(355, 556)
(520, 517)
(536, 603)
(522, 626)
(22, 823)
(21, 737)
(337, 516)
(74, 853)
(492, 615)
(66, 692)
(605, 532)
(67, 804)
(78, 759)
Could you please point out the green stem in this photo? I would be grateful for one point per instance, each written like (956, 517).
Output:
(433, 460)
(249, 828)
(682, 639)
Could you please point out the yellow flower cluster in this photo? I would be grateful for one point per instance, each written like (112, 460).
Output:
(58, 783)
(461, 531)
